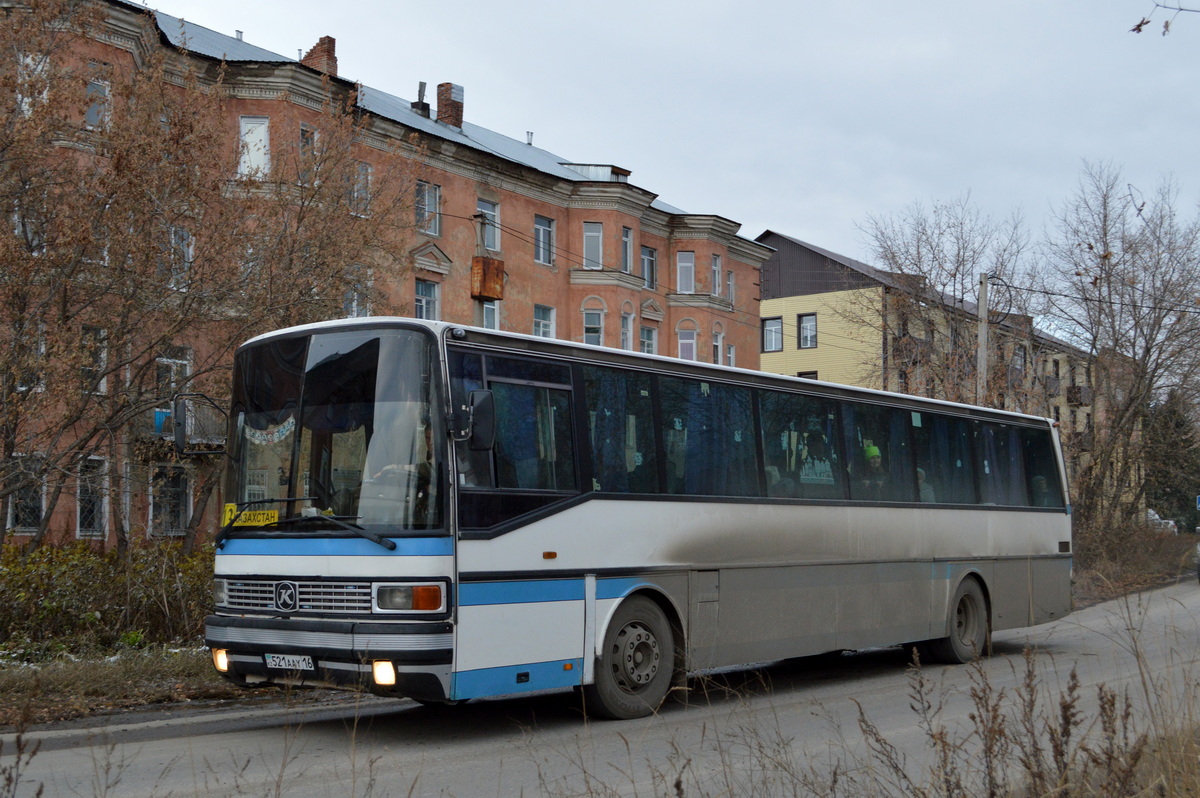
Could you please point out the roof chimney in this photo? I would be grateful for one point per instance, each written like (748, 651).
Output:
(420, 106)
(321, 57)
(450, 104)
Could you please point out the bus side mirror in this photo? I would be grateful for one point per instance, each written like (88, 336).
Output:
(483, 420)
(197, 425)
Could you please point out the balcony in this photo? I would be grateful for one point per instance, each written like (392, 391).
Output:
(1053, 386)
(1079, 395)
(206, 425)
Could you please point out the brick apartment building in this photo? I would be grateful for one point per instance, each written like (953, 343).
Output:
(498, 233)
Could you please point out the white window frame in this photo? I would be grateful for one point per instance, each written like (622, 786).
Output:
(180, 255)
(152, 517)
(491, 314)
(308, 148)
(429, 208)
(593, 245)
(544, 327)
(102, 496)
(718, 346)
(627, 250)
(356, 302)
(99, 111)
(685, 272)
(360, 191)
(648, 340)
(32, 85)
(543, 240)
(627, 325)
(427, 306)
(93, 336)
(806, 334)
(687, 344)
(717, 271)
(650, 267)
(730, 284)
(491, 223)
(254, 141)
(593, 319)
(731, 356)
(772, 338)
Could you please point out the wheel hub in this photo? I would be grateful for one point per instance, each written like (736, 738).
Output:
(637, 657)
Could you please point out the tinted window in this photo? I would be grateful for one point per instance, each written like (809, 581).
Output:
(799, 439)
(534, 446)
(709, 438)
(620, 416)
(945, 468)
(878, 451)
(1000, 454)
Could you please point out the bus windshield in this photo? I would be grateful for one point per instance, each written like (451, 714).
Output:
(339, 427)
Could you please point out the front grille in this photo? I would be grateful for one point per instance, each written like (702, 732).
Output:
(353, 597)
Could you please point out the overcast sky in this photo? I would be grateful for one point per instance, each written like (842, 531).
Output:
(801, 117)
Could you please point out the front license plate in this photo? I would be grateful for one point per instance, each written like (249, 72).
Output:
(289, 662)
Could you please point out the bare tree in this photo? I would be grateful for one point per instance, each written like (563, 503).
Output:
(1123, 274)
(930, 261)
(135, 244)
(1166, 27)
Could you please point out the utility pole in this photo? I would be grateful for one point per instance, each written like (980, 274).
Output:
(982, 344)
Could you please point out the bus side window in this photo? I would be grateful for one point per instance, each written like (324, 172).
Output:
(943, 452)
(799, 436)
(466, 375)
(1045, 489)
(534, 446)
(620, 430)
(1001, 465)
(709, 438)
(881, 466)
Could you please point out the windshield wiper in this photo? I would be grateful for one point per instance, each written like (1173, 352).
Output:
(337, 520)
(226, 530)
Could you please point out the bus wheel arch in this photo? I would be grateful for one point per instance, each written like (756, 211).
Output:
(968, 623)
(638, 661)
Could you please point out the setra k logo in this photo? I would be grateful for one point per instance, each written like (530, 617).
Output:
(287, 596)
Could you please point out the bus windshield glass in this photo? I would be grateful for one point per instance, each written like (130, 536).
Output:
(337, 428)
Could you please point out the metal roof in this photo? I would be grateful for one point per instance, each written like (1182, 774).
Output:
(206, 42)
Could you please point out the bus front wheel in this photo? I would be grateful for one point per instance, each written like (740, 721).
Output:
(968, 626)
(634, 669)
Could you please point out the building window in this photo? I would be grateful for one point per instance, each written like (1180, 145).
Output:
(807, 325)
(687, 344)
(718, 346)
(26, 505)
(593, 245)
(355, 302)
(627, 331)
(170, 500)
(807, 375)
(96, 115)
(648, 340)
(32, 87)
(685, 272)
(255, 142)
(360, 191)
(429, 208)
(176, 263)
(772, 335)
(593, 327)
(491, 314)
(716, 275)
(426, 304)
(490, 211)
(729, 286)
(171, 370)
(94, 357)
(731, 355)
(308, 155)
(650, 266)
(543, 240)
(90, 510)
(543, 321)
(627, 250)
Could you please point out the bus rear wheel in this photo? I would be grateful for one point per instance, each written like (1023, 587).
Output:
(635, 666)
(968, 626)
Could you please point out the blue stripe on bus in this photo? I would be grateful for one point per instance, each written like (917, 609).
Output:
(617, 588)
(472, 594)
(337, 547)
(504, 680)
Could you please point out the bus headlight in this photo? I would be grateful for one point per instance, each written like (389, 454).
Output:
(383, 672)
(409, 597)
(221, 660)
(219, 593)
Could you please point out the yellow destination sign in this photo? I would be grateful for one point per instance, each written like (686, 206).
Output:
(248, 517)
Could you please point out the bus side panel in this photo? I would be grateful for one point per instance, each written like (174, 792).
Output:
(1011, 604)
(1051, 589)
(773, 613)
(518, 636)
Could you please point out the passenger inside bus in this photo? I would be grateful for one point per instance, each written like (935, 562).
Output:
(927, 493)
(874, 479)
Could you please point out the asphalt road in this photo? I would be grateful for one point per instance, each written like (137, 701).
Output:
(763, 731)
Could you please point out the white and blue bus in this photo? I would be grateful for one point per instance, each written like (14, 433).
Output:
(447, 513)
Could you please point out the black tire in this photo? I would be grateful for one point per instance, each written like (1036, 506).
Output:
(969, 626)
(635, 666)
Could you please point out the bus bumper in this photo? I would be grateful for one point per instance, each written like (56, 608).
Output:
(393, 659)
